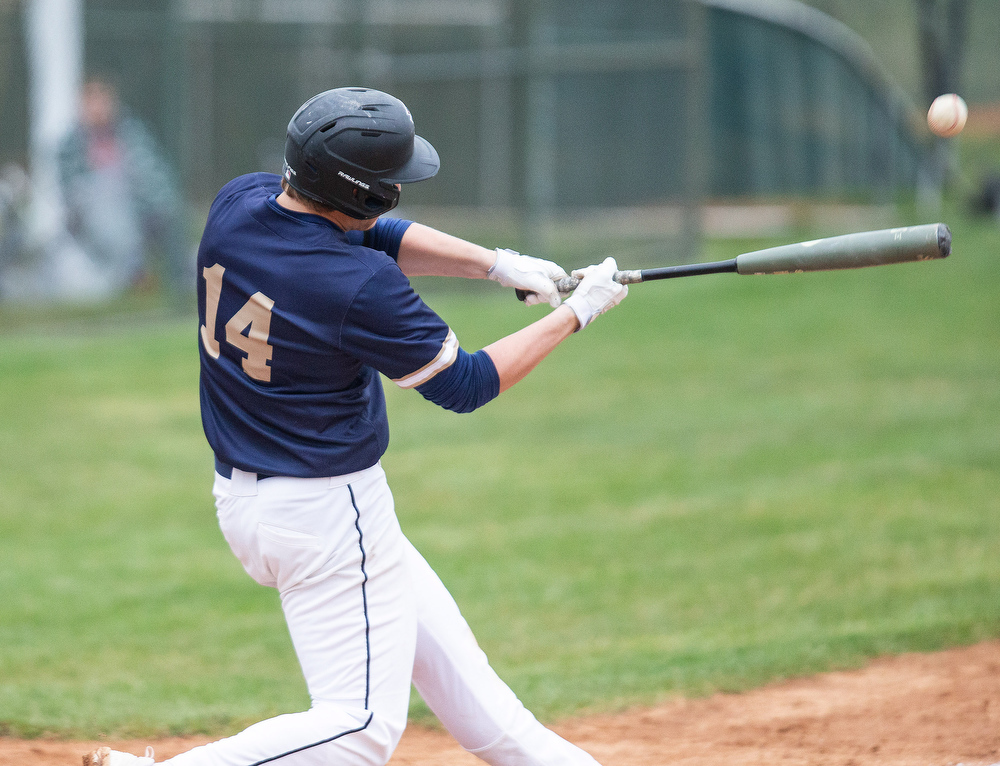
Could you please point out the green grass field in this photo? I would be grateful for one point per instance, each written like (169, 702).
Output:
(725, 481)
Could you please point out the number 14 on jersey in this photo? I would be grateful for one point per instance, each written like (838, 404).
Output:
(255, 315)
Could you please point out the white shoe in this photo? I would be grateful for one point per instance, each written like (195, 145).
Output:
(105, 756)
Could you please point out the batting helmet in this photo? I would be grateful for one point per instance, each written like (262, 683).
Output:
(348, 147)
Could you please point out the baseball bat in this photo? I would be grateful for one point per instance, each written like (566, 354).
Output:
(847, 251)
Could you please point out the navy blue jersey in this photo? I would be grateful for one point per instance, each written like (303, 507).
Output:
(297, 320)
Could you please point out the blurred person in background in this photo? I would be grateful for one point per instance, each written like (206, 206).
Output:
(123, 206)
(988, 200)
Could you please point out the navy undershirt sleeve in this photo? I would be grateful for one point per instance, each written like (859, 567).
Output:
(385, 235)
(469, 383)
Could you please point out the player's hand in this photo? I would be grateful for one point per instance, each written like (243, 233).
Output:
(533, 275)
(597, 291)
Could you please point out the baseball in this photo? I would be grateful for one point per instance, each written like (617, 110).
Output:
(947, 115)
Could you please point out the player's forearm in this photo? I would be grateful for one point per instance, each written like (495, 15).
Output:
(426, 252)
(519, 353)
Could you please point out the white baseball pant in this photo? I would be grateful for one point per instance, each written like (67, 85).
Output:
(367, 617)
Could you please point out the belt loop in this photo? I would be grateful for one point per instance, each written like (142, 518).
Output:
(243, 483)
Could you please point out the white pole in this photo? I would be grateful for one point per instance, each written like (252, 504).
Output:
(55, 61)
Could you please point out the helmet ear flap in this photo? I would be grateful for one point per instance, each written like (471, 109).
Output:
(376, 204)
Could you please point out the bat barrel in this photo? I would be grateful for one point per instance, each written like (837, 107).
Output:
(851, 251)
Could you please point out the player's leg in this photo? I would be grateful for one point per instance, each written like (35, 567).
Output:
(337, 557)
(454, 677)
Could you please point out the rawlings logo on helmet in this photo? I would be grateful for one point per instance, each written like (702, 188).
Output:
(354, 181)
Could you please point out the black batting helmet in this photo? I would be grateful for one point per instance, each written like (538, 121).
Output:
(348, 147)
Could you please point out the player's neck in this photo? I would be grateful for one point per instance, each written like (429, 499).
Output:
(343, 221)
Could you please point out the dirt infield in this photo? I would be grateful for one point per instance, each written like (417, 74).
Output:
(936, 709)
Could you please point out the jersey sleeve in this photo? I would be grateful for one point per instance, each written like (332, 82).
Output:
(466, 385)
(390, 328)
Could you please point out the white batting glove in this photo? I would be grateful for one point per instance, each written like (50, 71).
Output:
(533, 275)
(597, 291)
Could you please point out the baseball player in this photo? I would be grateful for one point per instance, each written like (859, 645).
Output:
(303, 301)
